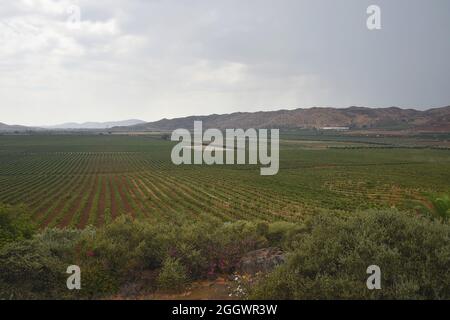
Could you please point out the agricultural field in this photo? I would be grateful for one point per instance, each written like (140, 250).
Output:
(76, 181)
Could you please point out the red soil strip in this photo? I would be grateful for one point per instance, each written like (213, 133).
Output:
(125, 202)
(150, 191)
(43, 207)
(138, 189)
(73, 209)
(113, 202)
(85, 215)
(134, 191)
(101, 205)
(54, 213)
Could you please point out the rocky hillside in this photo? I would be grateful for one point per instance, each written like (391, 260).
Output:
(354, 117)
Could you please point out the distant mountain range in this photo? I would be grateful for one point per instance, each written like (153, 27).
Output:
(354, 117)
(72, 126)
(359, 118)
(96, 125)
(10, 128)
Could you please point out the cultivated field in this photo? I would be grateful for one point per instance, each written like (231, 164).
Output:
(75, 181)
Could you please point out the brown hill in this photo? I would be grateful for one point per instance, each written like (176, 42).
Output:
(354, 117)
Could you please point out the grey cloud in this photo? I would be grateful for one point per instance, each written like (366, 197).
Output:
(171, 58)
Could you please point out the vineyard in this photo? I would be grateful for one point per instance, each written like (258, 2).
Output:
(76, 181)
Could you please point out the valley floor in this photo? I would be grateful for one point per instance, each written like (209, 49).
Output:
(75, 181)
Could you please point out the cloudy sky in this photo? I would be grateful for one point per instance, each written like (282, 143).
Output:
(151, 59)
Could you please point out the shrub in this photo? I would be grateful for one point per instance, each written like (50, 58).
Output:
(279, 231)
(62, 242)
(262, 228)
(127, 246)
(330, 261)
(28, 270)
(36, 268)
(229, 242)
(192, 257)
(15, 224)
(441, 207)
(97, 282)
(173, 276)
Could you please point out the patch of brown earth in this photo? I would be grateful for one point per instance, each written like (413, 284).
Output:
(87, 209)
(101, 205)
(126, 204)
(113, 200)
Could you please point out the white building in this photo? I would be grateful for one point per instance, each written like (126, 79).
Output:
(335, 128)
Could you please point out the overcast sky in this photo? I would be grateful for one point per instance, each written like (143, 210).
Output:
(151, 59)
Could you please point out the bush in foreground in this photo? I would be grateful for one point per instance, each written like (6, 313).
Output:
(36, 268)
(15, 224)
(332, 256)
(29, 271)
(328, 256)
(173, 276)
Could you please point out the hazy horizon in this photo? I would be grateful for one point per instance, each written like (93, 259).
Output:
(49, 125)
(151, 60)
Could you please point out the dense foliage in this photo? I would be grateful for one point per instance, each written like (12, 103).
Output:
(332, 253)
(127, 248)
(15, 224)
(441, 207)
(173, 275)
(36, 268)
(327, 257)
